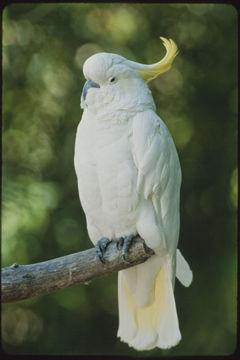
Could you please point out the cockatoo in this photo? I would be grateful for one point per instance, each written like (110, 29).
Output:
(129, 180)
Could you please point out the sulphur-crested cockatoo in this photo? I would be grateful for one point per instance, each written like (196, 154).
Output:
(129, 180)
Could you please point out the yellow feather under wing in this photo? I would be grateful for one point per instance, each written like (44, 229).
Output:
(149, 326)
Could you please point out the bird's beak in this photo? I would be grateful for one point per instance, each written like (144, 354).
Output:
(88, 84)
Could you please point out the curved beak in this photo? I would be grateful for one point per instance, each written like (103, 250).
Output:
(88, 84)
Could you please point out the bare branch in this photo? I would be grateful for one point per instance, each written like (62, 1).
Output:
(25, 281)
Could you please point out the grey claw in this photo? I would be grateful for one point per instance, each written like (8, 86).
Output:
(124, 259)
(126, 245)
(101, 247)
(120, 243)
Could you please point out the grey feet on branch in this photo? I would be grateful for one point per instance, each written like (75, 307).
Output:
(123, 243)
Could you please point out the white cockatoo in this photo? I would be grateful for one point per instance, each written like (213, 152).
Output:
(129, 181)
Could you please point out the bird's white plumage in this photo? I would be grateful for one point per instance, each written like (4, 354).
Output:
(129, 183)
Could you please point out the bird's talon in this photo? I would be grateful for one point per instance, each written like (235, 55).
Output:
(120, 243)
(99, 253)
(101, 247)
(124, 260)
(124, 243)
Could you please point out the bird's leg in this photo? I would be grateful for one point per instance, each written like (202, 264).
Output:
(101, 247)
(127, 241)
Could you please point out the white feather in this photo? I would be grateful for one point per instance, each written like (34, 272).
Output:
(183, 271)
(129, 182)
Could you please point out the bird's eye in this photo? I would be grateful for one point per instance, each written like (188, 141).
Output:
(112, 80)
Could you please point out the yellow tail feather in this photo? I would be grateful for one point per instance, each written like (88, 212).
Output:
(144, 327)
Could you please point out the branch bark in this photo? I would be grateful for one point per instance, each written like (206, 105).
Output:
(26, 281)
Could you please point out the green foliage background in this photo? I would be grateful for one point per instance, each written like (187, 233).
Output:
(44, 47)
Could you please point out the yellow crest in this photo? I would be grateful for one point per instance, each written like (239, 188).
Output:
(149, 72)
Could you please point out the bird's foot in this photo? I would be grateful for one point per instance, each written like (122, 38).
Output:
(101, 248)
(125, 243)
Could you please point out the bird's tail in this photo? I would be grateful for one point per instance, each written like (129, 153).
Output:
(154, 325)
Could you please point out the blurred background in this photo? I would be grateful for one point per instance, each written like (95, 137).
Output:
(44, 47)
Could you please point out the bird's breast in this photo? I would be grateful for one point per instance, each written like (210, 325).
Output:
(107, 173)
(115, 167)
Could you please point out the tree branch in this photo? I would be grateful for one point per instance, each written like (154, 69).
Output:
(25, 281)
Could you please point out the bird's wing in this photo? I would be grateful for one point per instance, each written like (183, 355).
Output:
(159, 172)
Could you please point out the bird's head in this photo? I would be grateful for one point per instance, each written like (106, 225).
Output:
(112, 79)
